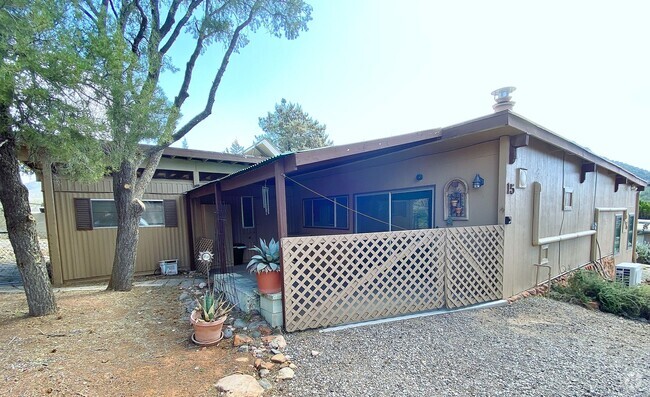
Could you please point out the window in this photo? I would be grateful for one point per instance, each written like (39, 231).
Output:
(393, 211)
(567, 199)
(247, 212)
(630, 230)
(618, 226)
(105, 215)
(91, 214)
(323, 213)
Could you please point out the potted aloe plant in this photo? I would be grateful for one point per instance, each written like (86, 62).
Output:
(266, 264)
(208, 318)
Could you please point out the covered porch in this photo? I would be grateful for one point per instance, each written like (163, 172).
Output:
(359, 227)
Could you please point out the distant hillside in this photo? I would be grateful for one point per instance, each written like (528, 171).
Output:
(641, 173)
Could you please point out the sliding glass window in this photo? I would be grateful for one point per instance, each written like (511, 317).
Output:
(393, 211)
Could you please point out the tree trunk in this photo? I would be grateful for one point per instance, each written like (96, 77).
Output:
(21, 226)
(129, 208)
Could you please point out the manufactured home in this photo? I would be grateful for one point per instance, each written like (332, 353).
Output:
(442, 218)
(82, 223)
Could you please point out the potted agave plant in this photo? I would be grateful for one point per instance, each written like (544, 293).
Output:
(266, 264)
(208, 318)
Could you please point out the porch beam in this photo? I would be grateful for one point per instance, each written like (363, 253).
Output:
(219, 246)
(248, 178)
(205, 190)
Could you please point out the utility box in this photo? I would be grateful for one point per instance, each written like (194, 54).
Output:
(629, 274)
(169, 267)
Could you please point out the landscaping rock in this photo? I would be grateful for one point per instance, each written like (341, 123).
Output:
(184, 296)
(264, 330)
(239, 385)
(315, 353)
(243, 349)
(256, 334)
(264, 372)
(285, 373)
(227, 333)
(265, 384)
(240, 340)
(239, 323)
(202, 285)
(275, 341)
(278, 358)
(267, 365)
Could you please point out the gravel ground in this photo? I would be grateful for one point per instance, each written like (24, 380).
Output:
(534, 347)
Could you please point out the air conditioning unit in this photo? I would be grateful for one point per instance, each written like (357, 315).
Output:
(629, 273)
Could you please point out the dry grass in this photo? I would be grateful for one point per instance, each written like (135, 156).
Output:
(108, 343)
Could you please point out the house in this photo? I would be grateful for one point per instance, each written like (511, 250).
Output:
(441, 218)
(81, 219)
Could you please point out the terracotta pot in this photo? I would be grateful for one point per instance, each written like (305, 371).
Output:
(269, 282)
(206, 332)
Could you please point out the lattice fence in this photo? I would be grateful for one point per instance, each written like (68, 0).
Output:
(347, 278)
(474, 266)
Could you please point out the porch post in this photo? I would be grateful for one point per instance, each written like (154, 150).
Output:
(281, 200)
(51, 225)
(219, 245)
(281, 211)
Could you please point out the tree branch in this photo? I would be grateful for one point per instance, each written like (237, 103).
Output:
(171, 15)
(113, 8)
(153, 158)
(216, 82)
(179, 26)
(143, 27)
(88, 14)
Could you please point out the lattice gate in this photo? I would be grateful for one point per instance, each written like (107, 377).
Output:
(339, 279)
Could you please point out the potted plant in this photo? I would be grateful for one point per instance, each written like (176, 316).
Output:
(266, 264)
(208, 318)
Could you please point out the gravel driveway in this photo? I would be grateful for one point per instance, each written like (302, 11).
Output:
(534, 347)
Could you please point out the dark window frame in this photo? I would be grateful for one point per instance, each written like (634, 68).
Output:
(390, 193)
(338, 217)
(250, 225)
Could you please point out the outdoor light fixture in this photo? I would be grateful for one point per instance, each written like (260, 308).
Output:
(478, 181)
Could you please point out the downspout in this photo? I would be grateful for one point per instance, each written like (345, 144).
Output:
(537, 240)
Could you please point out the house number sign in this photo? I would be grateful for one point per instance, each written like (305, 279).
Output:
(510, 188)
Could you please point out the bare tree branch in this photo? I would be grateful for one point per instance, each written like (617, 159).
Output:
(179, 26)
(143, 27)
(88, 14)
(153, 158)
(216, 82)
(171, 16)
(113, 9)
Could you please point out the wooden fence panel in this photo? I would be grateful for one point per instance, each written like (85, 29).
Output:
(340, 279)
(474, 266)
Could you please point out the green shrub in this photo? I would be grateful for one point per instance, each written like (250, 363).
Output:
(585, 286)
(643, 252)
(644, 210)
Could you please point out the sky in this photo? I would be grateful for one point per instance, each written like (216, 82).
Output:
(375, 68)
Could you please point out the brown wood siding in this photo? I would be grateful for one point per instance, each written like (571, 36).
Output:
(555, 170)
(89, 254)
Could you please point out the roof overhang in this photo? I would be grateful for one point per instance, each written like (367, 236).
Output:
(482, 129)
